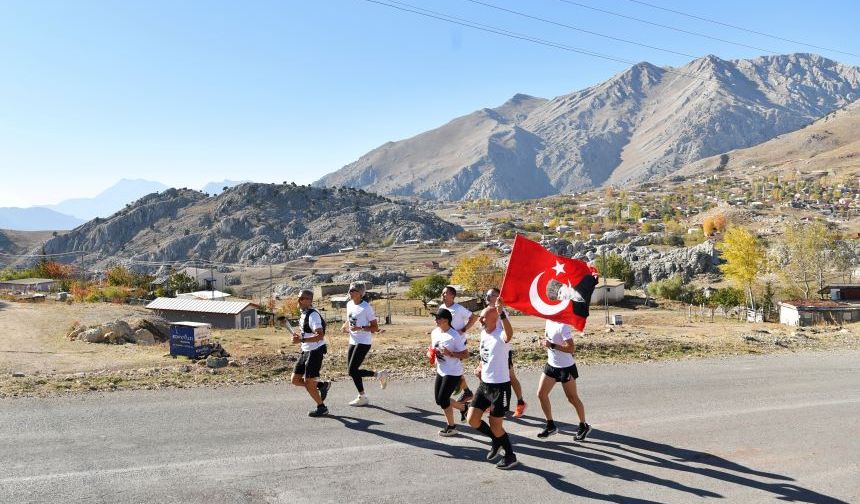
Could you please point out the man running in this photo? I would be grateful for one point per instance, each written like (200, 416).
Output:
(491, 297)
(449, 347)
(462, 320)
(312, 339)
(360, 324)
(560, 367)
(494, 392)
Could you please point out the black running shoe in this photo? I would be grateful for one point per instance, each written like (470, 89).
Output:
(495, 452)
(323, 388)
(319, 411)
(466, 396)
(448, 431)
(583, 432)
(507, 463)
(547, 432)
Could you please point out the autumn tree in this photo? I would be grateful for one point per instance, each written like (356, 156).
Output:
(477, 274)
(427, 288)
(744, 256)
(708, 226)
(720, 222)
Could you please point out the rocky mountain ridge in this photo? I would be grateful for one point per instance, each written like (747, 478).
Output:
(251, 223)
(639, 125)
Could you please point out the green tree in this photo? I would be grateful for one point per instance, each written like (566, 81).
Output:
(744, 256)
(727, 298)
(615, 266)
(180, 282)
(805, 255)
(427, 288)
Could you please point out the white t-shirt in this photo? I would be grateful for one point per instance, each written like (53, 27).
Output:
(359, 315)
(315, 322)
(558, 333)
(494, 356)
(460, 315)
(451, 339)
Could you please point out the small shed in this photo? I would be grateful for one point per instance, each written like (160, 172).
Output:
(339, 301)
(221, 314)
(324, 290)
(29, 285)
(611, 289)
(842, 292)
(807, 312)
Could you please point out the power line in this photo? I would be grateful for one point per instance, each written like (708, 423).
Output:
(402, 6)
(688, 32)
(563, 25)
(741, 28)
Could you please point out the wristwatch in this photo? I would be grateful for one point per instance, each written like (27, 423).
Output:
(552, 345)
(503, 316)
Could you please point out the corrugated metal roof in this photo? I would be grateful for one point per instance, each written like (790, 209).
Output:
(199, 305)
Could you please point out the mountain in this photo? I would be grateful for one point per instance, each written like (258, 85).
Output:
(108, 201)
(831, 144)
(216, 188)
(639, 125)
(36, 219)
(250, 223)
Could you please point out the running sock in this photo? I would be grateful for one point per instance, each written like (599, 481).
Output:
(505, 441)
(550, 425)
(484, 428)
(521, 400)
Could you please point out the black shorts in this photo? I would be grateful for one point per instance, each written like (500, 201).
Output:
(510, 359)
(561, 374)
(310, 363)
(443, 388)
(496, 396)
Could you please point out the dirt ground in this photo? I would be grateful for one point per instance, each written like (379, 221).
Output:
(33, 343)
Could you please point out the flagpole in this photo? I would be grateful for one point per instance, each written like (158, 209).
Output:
(505, 276)
(605, 291)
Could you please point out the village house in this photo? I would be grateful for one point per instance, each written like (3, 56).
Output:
(29, 285)
(808, 312)
(221, 314)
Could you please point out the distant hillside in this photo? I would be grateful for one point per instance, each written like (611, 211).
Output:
(830, 144)
(251, 223)
(36, 219)
(639, 125)
(108, 201)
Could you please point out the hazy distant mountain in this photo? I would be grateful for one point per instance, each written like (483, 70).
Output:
(640, 124)
(36, 219)
(108, 201)
(216, 188)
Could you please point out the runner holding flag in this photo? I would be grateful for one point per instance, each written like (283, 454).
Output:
(559, 290)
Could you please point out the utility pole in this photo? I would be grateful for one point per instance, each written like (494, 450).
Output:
(605, 290)
(212, 280)
(271, 305)
(388, 295)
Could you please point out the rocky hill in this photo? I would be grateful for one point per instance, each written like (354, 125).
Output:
(830, 144)
(640, 124)
(250, 223)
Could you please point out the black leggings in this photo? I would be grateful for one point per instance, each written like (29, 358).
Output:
(443, 388)
(354, 357)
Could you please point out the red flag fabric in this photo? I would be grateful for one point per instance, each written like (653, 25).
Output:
(540, 283)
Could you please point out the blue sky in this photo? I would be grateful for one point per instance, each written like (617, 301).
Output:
(195, 91)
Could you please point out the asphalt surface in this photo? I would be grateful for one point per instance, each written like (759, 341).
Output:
(745, 429)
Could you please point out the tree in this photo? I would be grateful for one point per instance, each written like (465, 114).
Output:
(477, 274)
(727, 298)
(708, 226)
(427, 288)
(720, 222)
(744, 257)
(804, 258)
(615, 266)
(180, 282)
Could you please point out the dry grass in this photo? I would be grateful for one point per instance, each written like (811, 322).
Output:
(32, 340)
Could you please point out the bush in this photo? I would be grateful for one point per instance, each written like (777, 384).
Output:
(671, 288)
(615, 266)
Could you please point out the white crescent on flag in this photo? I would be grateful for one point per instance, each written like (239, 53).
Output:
(542, 306)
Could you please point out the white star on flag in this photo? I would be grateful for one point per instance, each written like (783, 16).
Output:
(559, 268)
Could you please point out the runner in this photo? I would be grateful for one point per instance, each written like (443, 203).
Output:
(494, 393)
(360, 324)
(491, 297)
(560, 367)
(312, 339)
(462, 320)
(448, 347)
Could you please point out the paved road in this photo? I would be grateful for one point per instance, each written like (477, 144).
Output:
(747, 429)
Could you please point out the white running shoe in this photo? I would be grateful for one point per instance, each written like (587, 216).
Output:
(361, 400)
(382, 376)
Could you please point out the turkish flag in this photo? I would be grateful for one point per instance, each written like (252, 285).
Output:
(545, 285)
